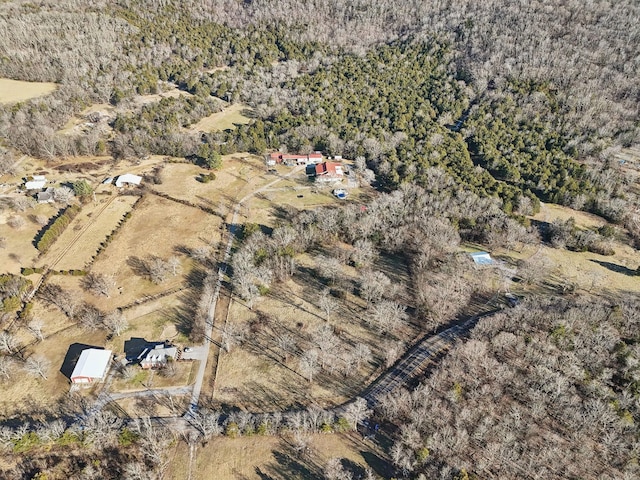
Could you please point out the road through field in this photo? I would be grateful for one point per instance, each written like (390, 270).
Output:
(222, 270)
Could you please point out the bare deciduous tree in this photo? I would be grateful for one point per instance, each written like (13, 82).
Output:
(356, 412)
(35, 328)
(98, 284)
(327, 303)
(309, 364)
(8, 343)
(116, 322)
(37, 366)
(7, 367)
(63, 195)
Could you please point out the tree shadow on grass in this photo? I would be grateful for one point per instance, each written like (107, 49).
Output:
(290, 463)
(614, 267)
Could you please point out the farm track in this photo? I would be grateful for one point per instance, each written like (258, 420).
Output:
(68, 247)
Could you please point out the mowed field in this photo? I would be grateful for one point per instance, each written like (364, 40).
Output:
(76, 246)
(255, 458)
(158, 227)
(223, 120)
(12, 91)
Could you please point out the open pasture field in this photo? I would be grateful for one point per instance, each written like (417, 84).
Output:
(153, 321)
(240, 174)
(19, 250)
(158, 227)
(255, 458)
(223, 120)
(82, 238)
(13, 91)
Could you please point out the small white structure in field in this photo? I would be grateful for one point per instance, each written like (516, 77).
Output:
(37, 183)
(128, 179)
(91, 366)
(482, 258)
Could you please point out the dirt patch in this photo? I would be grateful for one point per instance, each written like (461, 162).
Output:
(226, 119)
(12, 91)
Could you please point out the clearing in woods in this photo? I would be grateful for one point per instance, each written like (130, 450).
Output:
(226, 119)
(258, 457)
(12, 91)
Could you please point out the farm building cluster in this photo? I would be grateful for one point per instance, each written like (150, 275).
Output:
(87, 365)
(321, 171)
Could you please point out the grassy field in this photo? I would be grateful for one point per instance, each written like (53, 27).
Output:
(19, 250)
(223, 120)
(37, 396)
(12, 91)
(157, 227)
(82, 238)
(273, 458)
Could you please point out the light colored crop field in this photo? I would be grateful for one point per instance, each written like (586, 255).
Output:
(223, 120)
(82, 238)
(258, 457)
(12, 91)
(157, 227)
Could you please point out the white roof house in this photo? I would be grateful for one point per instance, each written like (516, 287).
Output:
(158, 356)
(91, 366)
(128, 178)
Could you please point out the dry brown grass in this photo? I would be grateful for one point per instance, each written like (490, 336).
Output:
(82, 238)
(26, 394)
(266, 457)
(255, 377)
(12, 91)
(223, 120)
(20, 251)
(157, 227)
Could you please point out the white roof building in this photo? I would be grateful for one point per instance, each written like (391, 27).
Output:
(128, 178)
(91, 366)
(482, 258)
(37, 183)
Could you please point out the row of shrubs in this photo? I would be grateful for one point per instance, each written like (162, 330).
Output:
(186, 202)
(109, 238)
(55, 229)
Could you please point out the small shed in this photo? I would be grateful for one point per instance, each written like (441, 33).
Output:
(91, 366)
(128, 179)
(482, 258)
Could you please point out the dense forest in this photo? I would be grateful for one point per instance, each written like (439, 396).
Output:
(467, 113)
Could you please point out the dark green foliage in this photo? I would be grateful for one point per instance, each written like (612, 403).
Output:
(81, 188)
(49, 235)
(526, 151)
(209, 157)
